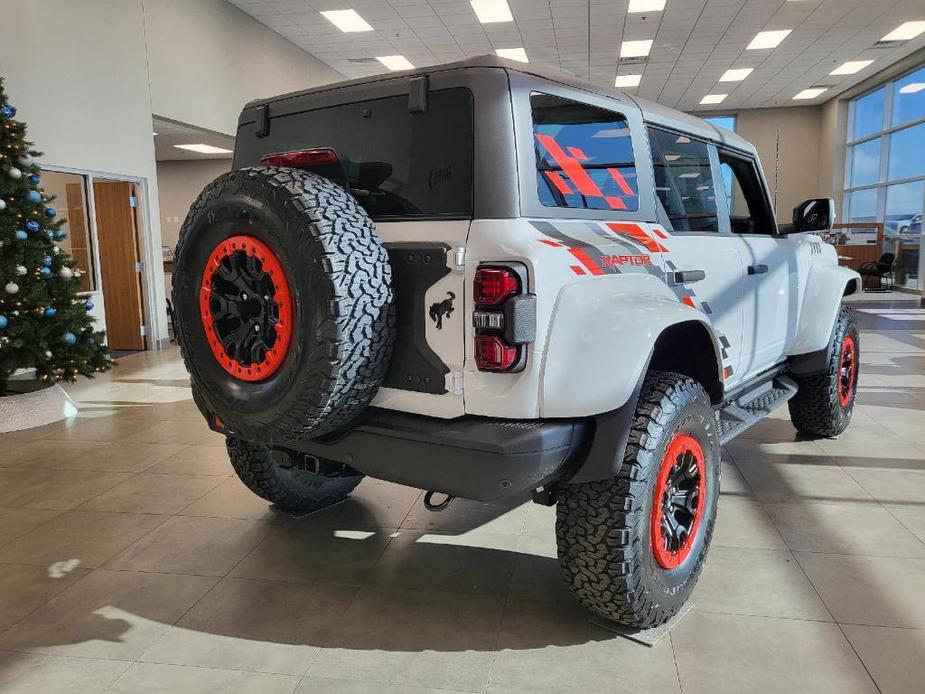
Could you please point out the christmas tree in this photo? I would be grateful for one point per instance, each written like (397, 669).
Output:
(44, 325)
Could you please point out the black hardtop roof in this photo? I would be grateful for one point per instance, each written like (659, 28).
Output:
(651, 110)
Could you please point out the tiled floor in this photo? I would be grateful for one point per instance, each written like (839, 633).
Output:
(131, 560)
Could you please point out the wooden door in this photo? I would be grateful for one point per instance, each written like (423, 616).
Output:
(118, 245)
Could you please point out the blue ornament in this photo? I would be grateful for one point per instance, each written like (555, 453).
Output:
(7, 111)
(21, 235)
(3, 321)
(46, 261)
(50, 312)
(34, 179)
(89, 305)
(51, 212)
(91, 341)
(45, 272)
(34, 196)
(49, 235)
(33, 226)
(59, 234)
(69, 338)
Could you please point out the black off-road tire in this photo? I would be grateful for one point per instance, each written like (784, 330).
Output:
(343, 320)
(603, 528)
(285, 480)
(818, 409)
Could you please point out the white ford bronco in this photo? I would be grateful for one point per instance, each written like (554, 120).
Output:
(489, 281)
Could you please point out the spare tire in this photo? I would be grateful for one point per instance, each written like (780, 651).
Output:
(283, 301)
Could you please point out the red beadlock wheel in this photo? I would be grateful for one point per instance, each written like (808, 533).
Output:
(246, 308)
(847, 370)
(678, 501)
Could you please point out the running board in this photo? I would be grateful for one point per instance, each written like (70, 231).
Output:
(749, 408)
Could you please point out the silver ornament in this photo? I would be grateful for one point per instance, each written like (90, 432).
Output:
(11, 288)
(2, 204)
(66, 272)
(14, 172)
(48, 354)
(21, 270)
(55, 250)
(26, 160)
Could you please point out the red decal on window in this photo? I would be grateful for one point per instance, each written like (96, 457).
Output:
(637, 234)
(577, 153)
(615, 203)
(559, 182)
(577, 269)
(585, 260)
(618, 177)
(570, 165)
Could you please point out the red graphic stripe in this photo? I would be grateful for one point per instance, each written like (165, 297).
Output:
(548, 242)
(618, 177)
(658, 232)
(727, 372)
(687, 300)
(637, 234)
(559, 182)
(577, 269)
(586, 260)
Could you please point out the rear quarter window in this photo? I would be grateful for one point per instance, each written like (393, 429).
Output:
(399, 164)
(584, 156)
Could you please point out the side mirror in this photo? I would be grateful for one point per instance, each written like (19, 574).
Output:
(816, 214)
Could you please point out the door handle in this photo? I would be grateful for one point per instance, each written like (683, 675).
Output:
(687, 276)
(757, 269)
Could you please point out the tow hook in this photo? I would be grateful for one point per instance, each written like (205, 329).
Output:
(431, 506)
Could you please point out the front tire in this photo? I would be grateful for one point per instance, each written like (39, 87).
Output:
(824, 402)
(632, 547)
(287, 480)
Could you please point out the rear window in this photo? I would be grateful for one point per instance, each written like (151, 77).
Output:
(584, 156)
(399, 164)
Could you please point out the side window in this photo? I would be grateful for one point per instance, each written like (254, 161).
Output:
(684, 181)
(748, 205)
(584, 156)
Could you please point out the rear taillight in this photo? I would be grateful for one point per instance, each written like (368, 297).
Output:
(493, 285)
(504, 317)
(303, 158)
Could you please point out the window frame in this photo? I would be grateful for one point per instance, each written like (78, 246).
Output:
(522, 86)
(768, 209)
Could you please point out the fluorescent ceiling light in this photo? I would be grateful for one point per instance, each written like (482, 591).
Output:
(906, 31)
(736, 75)
(689, 175)
(913, 88)
(490, 11)
(767, 39)
(811, 93)
(395, 62)
(635, 49)
(713, 98)
(851, 67)
(627, 80)
(518, 54)
(346, 20)
(204, 149)
(646, 6)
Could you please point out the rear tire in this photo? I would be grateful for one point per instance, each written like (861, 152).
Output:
(824, 402)
(284, 480)
(619, 559)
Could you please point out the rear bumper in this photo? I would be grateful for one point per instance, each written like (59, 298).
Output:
(470, 457)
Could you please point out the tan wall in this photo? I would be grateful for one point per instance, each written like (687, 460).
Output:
(797, 168)
(179, 182)
(208, 58)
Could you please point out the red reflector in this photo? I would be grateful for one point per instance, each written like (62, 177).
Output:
(491, 354)
(493, 285)
(301, 158)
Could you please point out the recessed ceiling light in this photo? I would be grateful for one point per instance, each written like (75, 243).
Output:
(395, 62)
(490, 11)
(646, 6)
(204, 149)
(736, 75)
(346, 20)
(906, 31)
(155, 134)
(691, 174)
(913, 88)
(518, 54)
(851, 67)
(713, 98)
(811, 93)
(627, 80)
(768, 39)
(635, 49)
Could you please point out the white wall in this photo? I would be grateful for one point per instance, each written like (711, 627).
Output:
(179, 183)
(208, 58)
(87, 76)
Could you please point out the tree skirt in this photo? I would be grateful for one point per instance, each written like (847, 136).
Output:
(28, 410)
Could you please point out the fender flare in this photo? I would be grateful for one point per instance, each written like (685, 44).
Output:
(825, 287)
